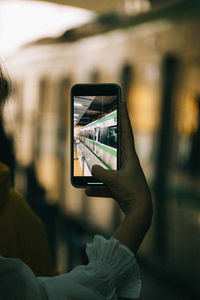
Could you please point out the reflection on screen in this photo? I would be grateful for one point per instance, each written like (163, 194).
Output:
(95, 133)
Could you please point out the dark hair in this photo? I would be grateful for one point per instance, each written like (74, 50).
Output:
(6, 142)
(5, 88)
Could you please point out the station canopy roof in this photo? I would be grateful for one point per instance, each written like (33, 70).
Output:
(101, 6)
(90, 108)
(105, 6)
(108, 16)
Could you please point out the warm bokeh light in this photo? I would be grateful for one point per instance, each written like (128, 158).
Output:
(23, 21)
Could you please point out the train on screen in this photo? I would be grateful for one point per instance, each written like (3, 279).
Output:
(100, 137)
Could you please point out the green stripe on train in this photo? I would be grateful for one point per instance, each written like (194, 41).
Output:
(112, 116)
(110, 151)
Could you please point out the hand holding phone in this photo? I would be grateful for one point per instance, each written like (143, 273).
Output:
(129, 188)
(128, 185)
(95, 137)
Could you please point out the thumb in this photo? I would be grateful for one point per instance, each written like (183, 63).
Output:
(106, 176)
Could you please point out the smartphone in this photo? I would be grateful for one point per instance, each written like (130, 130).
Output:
(95, 131)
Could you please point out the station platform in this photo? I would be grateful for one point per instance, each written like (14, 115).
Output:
(77, 168)
(84, 159)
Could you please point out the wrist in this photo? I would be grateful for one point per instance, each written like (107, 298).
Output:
(134, 226)
(143, 206)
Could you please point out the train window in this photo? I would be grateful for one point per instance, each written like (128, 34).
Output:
(112, 136)
(90, 135)
(96, 134)
(99, 135)
(103, 135)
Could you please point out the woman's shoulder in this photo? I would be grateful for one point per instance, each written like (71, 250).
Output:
(12, 203)
(7, 194)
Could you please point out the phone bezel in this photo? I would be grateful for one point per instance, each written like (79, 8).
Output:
(100, 89)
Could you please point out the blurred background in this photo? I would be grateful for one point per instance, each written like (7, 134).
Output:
(152, 49)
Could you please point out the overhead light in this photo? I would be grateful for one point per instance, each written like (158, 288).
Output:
(76, 115)
(78, 104)
(14, 34)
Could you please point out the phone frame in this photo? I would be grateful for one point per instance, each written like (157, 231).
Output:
(100, 89)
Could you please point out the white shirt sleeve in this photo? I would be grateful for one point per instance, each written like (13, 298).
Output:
(112, 272)
(17, 281)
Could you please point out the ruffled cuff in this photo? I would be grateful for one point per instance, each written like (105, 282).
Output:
(117, 263)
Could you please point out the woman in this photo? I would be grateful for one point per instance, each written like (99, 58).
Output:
(112, 271)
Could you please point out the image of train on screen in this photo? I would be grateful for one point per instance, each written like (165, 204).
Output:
(99, 141)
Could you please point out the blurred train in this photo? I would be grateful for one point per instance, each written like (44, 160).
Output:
(101, 137)
(155, 57)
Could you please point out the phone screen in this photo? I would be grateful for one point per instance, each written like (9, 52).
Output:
(95, 134)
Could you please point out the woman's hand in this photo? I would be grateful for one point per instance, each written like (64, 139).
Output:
(128, 185)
